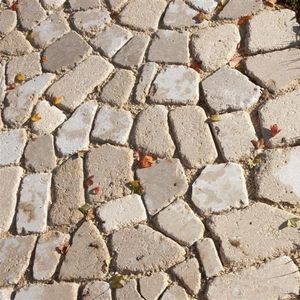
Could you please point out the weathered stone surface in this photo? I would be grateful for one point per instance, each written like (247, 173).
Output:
(87, 248)
(5, 293)
(162, 183)
(175, 85)
(169, 46)
(129, 291)
(277, 279)
(40, 155)
(151, 132)
(2, 82)
(73, 135)
(215, 46)
(111, 40)
(116, 5)
(151, 287)
(66, 52)
(276, 70)
(84, 4)
(12, 144)
(205, 5)
(234, 133)
(179, 222)
(118, 89)
(68, 193)
(175, 292)
(52, 4)
(253, 233)
(97, 290)
(209, 188)
(9, 184)
(78, 83)
(278, 178)
(234, 91)
(8, 21)
(111, 168)
(46, 255)
(15, 43)
(35, 197)
(193, 137)
(15, 253)
(143, 15)
(142, 249)
(279, 26)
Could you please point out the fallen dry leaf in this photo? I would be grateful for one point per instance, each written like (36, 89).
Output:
(200, 17)
(95, 191)
(243, 20)
(235, 61)
(146, 161)
(274, 130)
(87, 211)
(14, 6)
(259, 144)
(136, 187)
(196, 66)
(44, 58)
(271, 3)
(57, 100)
(63, 249)
(20, 77)
(118, 281)
(88, 182)
(293, 222)
(36, 117)
(215, 118)
(253, 162)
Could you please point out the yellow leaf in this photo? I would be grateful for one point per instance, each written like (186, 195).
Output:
(215, 118)
(136, 187)
(293, 222)
(20, 77)
(118, 281)
(57, 100)
(36, 117)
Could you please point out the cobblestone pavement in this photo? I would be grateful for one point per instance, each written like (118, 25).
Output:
(149, 149)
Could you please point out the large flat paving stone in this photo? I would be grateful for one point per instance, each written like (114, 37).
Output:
(151, 287)
(8, 21)
(97, 290)
(15, 43)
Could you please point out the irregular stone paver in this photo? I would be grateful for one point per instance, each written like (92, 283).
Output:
(8, 21)
(15, 253)
(234, 133)
(169, 47)
(162, 183)
(209, 257)
(253, 233)
(73, 135)
(40, 155)
(46, 254)
(151, 287)
(116, 5)
(118, 89)
(111, 168)
(277, 279)
(35, 196)
(52, 4)
(5, 293)
(280, 27)
(9, 184)
(15, 43)
(129, 291)
(179, 222)
(151, 131)
(84, 4)
(97, 290)
(142, 249)
(111, 40)
(66, 52)
(74, 86)
(193, 137)
(214, 47)
(175, 292)
(68, 193)
(209, 188)
(234, 91)
(276, 70)
(143, 15)
(189, 274)
(87, 248)
(175, 85)
(205, 5)
(278, 178)
(12, 143)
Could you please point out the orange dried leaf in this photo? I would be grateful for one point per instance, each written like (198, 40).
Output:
(274, 130)
(14, 6)
(88, 182)
(44, 58)
(146, 161)
(196, 66)
(235, 61)
(20, 77)
(95, 191)
(259, 144)
(57, 100)
(36, 117)
(63, 249)
(243, 20)
(200, 17)
(12, 86)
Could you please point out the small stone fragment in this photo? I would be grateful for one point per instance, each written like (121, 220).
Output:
(129, 291)
(175, 292)
(205, 5)
(151, 287)
(84, 4)
(8, 21)
(235, 9)
(15, 43)
(52, 4)
(96, 290)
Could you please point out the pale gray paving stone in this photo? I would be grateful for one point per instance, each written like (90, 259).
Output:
(169, 46)
(8, 21)
(209, 257)
(2, 82)
(75, 85)
(278, 178)
(279, 26)
(151, 287)
(215, 46)
(35, 197)
(15, 253)
(9, 184)
(53, 4)
(234, 90)
(162, 183)
(116, 5)
(151, 131)
(254, 233)
(123, 212)
(234, 133)
(276, 279)
(131, 55)
(74, 134)
(20, 101)
(193, 137)
(66, 52)
(143, 15)
(111, 40)
(175, 292)
(68, 193)
(97, 290)
(49, 30)
(12, 143)
(46, 256)
(117, 90)
(84, 4)
(276, 70)
(5, 293)
(180, 223)
(129, 291)
(87, 247)
(175, 85)
(138, 250)
(15, 43)
(209, 188)
(207, 6)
